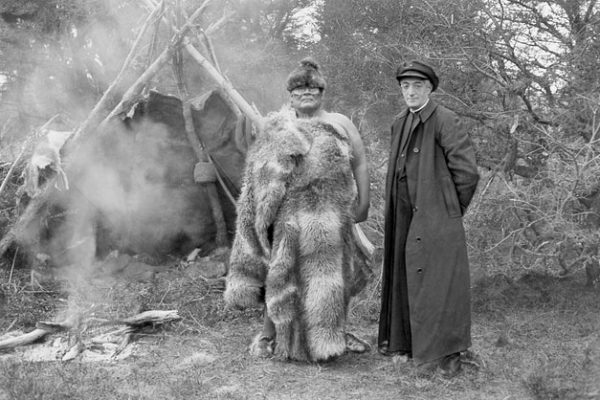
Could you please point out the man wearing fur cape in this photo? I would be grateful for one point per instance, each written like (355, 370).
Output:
(306, 183)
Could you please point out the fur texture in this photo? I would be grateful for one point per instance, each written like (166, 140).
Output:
(298, 184)
(307, 73)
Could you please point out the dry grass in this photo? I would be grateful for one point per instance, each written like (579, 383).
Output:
(537, 337)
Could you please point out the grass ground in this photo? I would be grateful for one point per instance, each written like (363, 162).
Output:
(536, 337)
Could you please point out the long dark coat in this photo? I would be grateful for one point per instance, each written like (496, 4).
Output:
(441, 177)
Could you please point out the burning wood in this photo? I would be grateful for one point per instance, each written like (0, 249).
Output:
(113, 341)
(74, 351)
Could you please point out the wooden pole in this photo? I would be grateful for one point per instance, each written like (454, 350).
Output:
(233, 94)
(95, 115)
(131, 96)
(209, 187)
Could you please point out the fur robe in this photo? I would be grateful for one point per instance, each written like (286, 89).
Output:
(293, 247)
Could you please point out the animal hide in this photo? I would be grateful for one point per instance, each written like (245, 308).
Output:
(293, 247)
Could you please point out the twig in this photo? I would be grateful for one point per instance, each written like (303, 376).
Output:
(40, 291)
(14, 321)
(127, 336)
(217, 25)
(377, 285)
(12, 168)
(12, 267)
(74, 351)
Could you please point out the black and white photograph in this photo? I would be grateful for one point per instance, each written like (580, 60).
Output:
(299, 199)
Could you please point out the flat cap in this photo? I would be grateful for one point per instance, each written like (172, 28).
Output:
(418, 69)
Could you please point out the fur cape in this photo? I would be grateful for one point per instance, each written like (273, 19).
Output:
(293, 247)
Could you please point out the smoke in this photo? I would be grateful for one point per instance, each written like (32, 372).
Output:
(64, 74)
(135, 186)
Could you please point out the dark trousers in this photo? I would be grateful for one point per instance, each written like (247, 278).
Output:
(394, 324)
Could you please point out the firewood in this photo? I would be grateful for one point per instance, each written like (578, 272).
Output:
(74, 351)
(123, 344)
(113, 336)
(24, 339)
(132, 324)
(151, 316)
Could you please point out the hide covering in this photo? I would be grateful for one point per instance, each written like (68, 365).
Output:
(293, 247)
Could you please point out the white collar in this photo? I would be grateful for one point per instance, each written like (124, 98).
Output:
(420, 108)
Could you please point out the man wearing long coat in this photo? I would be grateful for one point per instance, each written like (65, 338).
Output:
(432, 176)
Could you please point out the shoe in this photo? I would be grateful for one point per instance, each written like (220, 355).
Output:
(450, 365)
(262, 346)
(384, 350)
(356, 345)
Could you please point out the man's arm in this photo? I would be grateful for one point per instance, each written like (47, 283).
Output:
(460, 158)
(360, 167)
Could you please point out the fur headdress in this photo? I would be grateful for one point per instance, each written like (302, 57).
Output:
(306, 74)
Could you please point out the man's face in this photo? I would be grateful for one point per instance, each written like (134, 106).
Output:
(306, 99)
(415, 91)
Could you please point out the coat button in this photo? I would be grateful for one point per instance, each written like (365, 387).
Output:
(402, 155)
(416, 150)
